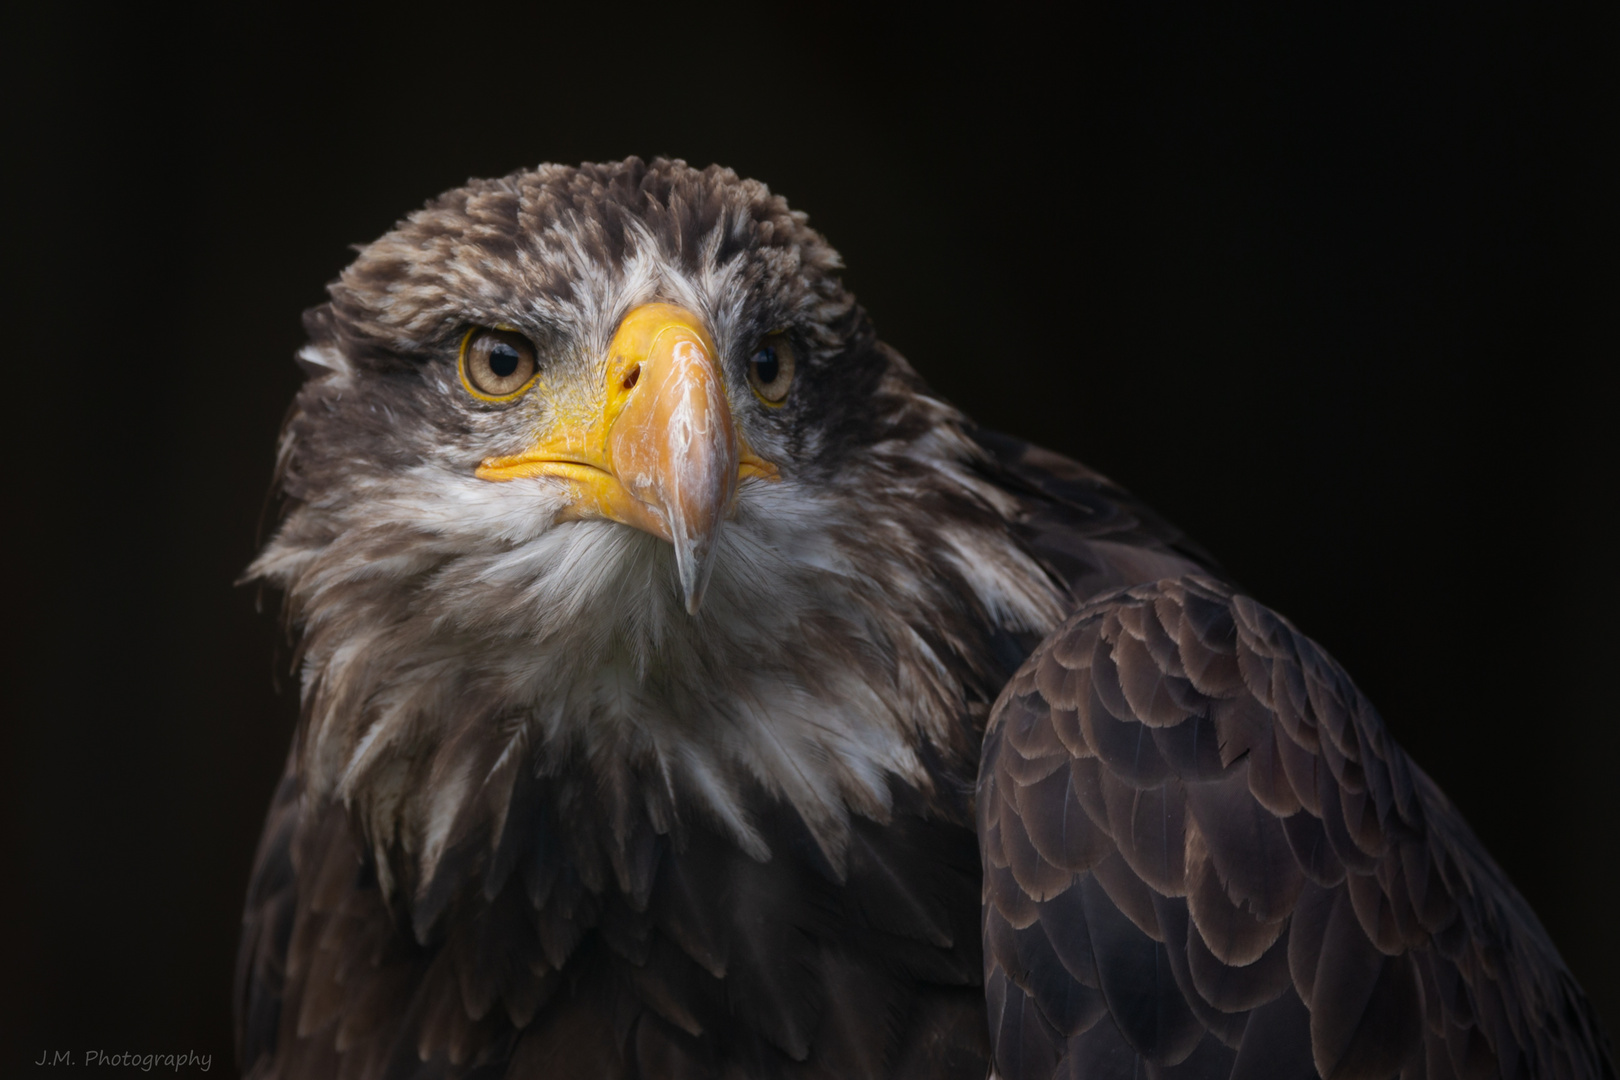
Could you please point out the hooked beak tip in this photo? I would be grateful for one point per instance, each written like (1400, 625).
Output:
(692, 567)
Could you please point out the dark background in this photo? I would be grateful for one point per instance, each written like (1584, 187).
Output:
(1336, 293)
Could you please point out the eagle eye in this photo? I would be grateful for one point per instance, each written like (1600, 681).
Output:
(496, 365)
(770, 369)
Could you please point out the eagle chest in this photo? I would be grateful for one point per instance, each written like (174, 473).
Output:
(684, 947)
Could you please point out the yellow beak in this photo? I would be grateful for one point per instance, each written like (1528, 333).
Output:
(656, 448)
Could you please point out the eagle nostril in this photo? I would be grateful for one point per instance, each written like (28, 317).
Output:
(632, 377)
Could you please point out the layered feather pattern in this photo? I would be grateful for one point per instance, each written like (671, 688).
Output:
(693, 959)
(1205, 857)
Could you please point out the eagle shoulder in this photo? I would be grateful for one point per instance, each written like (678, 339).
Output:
(1087, 531)
(1203, 849)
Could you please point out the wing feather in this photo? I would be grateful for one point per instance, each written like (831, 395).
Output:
(1205, 857)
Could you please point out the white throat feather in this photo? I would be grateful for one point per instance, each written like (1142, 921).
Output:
(448, 627)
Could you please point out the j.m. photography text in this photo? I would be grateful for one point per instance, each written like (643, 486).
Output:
(128, 1059)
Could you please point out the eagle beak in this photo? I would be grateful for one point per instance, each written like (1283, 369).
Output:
(656, 449)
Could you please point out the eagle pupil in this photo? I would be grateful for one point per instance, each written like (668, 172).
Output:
(767, 365)
(503, 360)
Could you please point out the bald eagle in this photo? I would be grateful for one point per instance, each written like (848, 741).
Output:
(687, 691)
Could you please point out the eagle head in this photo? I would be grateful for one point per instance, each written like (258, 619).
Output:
(600, 475)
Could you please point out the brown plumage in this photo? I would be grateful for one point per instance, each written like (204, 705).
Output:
(1202, 850)
(556, 809)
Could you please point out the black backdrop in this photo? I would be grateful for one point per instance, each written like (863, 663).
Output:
(1336, 293)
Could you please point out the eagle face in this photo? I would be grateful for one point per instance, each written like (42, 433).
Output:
(604, 464)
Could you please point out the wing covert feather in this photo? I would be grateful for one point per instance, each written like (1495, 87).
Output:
(1205, 857)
